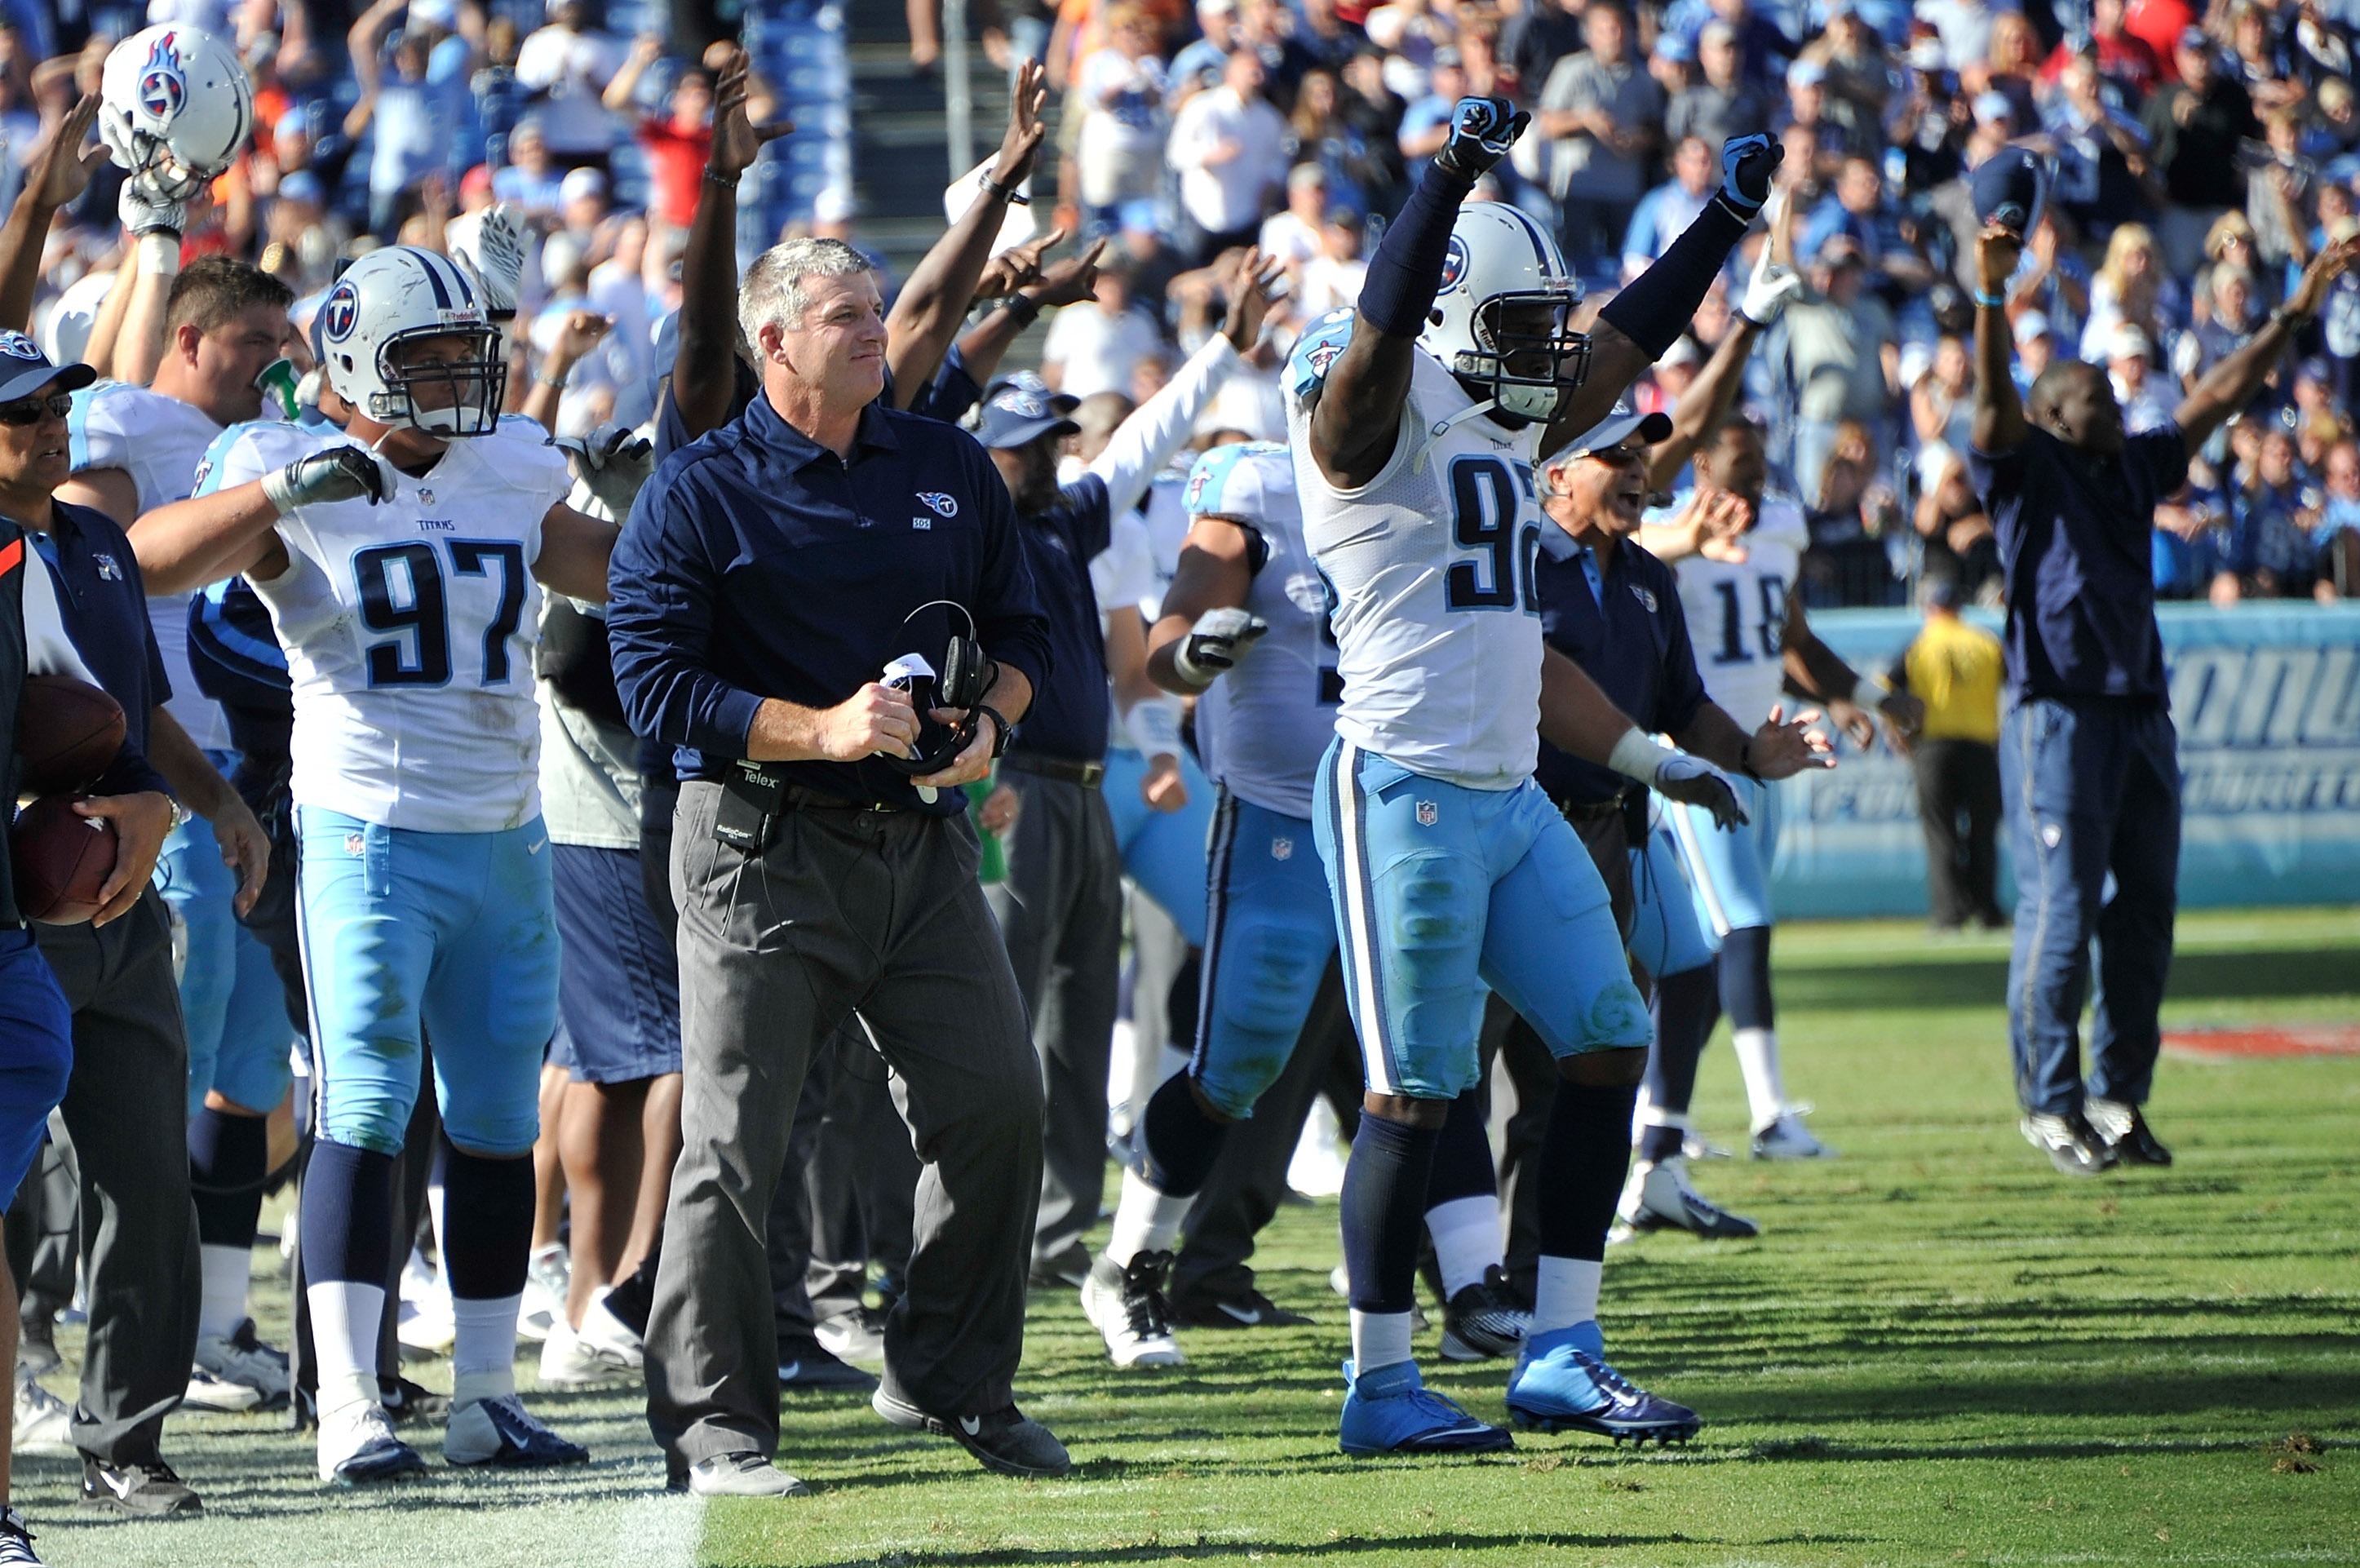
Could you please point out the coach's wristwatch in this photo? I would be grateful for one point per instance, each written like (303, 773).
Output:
(181, 815)
(999, 729)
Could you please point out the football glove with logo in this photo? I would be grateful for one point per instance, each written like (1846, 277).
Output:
(1218, 639)
(1482, 131)
(1747, 164)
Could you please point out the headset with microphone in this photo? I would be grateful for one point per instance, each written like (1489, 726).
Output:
(964, 677)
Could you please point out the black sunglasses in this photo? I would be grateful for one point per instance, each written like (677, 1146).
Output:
(1618, 455)
(33, 410)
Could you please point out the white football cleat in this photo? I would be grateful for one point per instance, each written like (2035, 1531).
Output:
(1127, 1305)
(237, 1372)
(358, 1447)
(44, 1422)
(1787, 1138)
(497, 1431)
(1658, 1196)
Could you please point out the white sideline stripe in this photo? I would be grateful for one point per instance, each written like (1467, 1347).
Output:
(1360, 921)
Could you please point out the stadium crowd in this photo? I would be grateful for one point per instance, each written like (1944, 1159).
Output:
(1222, 176)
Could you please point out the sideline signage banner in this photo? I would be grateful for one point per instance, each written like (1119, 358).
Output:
(2267, 698)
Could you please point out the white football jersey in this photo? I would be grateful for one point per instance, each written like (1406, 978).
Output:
(1737, 611)
(1429, 566)
(1264, 725)
(158, 442)
(410, 628)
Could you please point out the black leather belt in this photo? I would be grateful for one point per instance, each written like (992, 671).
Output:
(1594, 811)
(771, 794)
(1090, 775)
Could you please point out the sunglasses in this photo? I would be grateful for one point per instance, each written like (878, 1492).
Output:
(33, 410)
(1617, 456)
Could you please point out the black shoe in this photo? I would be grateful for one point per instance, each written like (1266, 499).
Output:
(804, 1368)
(147, 1491)
(1484, 1320)
(16, 1541)
(1247, 1309)
(1069, 1270)
(409, 1404)
(2126, 1131)
(1007, 1440)
(2073, 1146)
(37, 1348)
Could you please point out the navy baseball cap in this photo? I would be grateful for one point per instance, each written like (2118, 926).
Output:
(25, 369)
(1624, 424)
(2011, 186)
(1017, 412)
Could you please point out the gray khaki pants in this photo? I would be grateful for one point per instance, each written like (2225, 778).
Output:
(1061, 912)
(844, 908)
(126, 1109)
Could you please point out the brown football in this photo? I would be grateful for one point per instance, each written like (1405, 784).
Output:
(62, 860)
(67, 732)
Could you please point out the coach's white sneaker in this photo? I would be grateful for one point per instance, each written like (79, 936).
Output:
(496, 1430)
(235, 1371)
(1128, 1307)
(1787, 1138)
(567, 1362)
(44, 1422)
(739, 1475)
(358, 1447)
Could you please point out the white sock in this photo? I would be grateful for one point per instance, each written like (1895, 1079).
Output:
(1567, 1293)
(1378, 1340)
(1145, 1219)
(222, 1306)
(346, 1318)
(1766, 1086)
(1466, 1232)
(482, 1351)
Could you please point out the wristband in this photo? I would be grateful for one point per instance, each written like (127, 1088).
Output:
(1000, 729)
(1023, 307)
(726, 182)
(159, 253)
(557, 382)
(1634, 756)
(1153, 727)
(1990, 301)
(1869, 690)
(1012, 192)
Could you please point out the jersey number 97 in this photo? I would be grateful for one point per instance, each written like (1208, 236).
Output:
(1484, 517)
(403, 594)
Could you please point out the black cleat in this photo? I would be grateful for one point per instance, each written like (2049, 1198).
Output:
(1007, 1440)
(1248, 1309)
(2126, 1133)
(1484, 1320)
(806, 1368)
(2073, 1146)
(150, 1491)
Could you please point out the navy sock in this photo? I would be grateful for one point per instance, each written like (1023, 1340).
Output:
(1585, 1153)
(229, 1160)
(1385, 1211)
(1745, 978)
(486, 1222)
(1686, 1006)
(1179, 1141)
(1406, 273)
(633, 1298)
(347, 1215)
(1462, 1158)
(1656, 306)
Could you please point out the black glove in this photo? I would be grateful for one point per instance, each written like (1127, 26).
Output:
(1747, 164)
(1482, 131)
(339, 474)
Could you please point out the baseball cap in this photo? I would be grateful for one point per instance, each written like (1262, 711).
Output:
(1993, 106)
(25, 369)
(2010, 187)
(2126, 342)
(1017, 412)
(303, 185)
(580, 184)
(2315, 368)
(1716, 31)
(2029, 326)
(1674, 48)
(1618, 427)
(1941, 590)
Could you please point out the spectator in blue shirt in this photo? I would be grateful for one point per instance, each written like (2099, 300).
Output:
(1665, 212)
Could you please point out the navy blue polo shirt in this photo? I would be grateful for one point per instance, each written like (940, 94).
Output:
(1634, 643)
(758, 564)
(103, 599)
(1069, 714)
(2076, 546)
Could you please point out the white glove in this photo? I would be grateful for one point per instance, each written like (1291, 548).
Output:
(145, 211)
(1218, 639)
(338, 474)
(609, 465)
(1768, 289)
(491, 244)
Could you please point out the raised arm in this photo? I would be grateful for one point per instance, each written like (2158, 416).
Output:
(934, 302)
(2231, 385)
(1999, 413)
(1158, 427)
(1356, 419)
(646, 50)
(704, 374)
(1709, 399)
(1639, 325)
(59, 177)
(1068, 282)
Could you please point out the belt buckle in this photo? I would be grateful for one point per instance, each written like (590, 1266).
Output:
(1093, 775)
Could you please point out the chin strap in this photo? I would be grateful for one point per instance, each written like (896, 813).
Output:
(1441, 428)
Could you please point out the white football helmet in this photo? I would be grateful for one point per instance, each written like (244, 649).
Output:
(1501, 319)
(400, 295)
(175, 105)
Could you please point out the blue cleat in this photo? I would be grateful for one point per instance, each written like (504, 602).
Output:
(1392, 1411)
(1562, 1382)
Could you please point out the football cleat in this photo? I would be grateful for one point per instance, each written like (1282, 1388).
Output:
(1392, 1411)
(1786, 1137)
(1127, 1306)
(44, 1422)
(2073, 1146)
(147, 1491)
(738, 1476)
(2124, 1129)
(16, 1541)
(237, 1372)
(1484, 1320)
(1007, 1440)
(497, 1431)
(1562, 1383)
(1250, 1309)
(547, 1281)
(1659, 1198)
(358, 1448)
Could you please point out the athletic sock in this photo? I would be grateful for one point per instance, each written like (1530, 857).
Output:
(1686, 1006)
(1384, 1212)
(348, 1249)
(1466, 1232)
(1462, 1197)
(229, 1159)
(1177, 1141)
(1567, 1293)
(1584, 1155)
(486, 1239)
(1145, 1219)
(1766, 1086)
(1378, 1340)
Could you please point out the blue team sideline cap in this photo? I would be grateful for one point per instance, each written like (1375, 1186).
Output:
(2011, 186)
(1018, 412)
(1615, 429)
(25, 369)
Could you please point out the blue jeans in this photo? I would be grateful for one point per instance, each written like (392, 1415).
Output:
(2091, 792)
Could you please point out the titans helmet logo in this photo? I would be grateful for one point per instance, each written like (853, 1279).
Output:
(340, 313)
(162, 87)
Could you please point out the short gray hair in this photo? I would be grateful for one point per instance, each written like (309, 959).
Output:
(773, 294)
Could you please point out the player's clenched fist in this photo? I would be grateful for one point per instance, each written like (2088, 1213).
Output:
(1218, 639)
(1482, 131)
(875, 719)
(1747, 164)
(339, 474)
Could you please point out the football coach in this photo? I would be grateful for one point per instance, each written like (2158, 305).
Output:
(769, 574)
(2089, 760)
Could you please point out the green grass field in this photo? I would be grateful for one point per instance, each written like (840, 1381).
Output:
(1939, 1351)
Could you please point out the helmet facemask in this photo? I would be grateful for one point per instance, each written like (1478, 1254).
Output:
(442, 397)
(1528, 355)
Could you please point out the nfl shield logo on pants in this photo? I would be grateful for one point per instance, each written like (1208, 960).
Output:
(1282, 849)
(1427, 812)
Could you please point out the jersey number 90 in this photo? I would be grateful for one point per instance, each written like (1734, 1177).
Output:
(1485, 510)
(402, 593)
